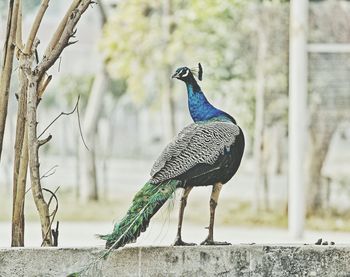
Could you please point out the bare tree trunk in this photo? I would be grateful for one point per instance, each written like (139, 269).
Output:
(320, 133)
(89, 188)
(89, 181)
(38, 196)
(18, 212)
(6, 68)
(266, 190)
(260, 180)
(20, 165)
(279, 134)
(77, 166)
(21, 145)
(110, 140)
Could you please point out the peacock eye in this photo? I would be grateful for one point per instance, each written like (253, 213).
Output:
(185, 72)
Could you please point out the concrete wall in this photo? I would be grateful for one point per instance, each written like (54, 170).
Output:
(236, 260)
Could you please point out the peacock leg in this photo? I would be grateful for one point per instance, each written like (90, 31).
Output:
(213, 203)
(178, 239)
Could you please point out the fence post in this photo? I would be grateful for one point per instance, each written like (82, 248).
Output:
(297, 115)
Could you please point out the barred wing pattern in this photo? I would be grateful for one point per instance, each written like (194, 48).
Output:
(195, 144)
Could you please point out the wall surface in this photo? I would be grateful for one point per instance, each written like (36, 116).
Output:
(235, 260)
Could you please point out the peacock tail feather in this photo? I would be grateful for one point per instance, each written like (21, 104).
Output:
(144, 205)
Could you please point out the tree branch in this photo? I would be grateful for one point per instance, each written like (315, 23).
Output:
(43, 85)
(6, 69)
(8, 32)
(43, 141)
(50, 172)
(63, 33)
(58, 33)
(35, 27)
(57, 117)
(19, 42)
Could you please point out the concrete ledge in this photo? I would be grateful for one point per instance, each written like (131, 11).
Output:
(235, 260)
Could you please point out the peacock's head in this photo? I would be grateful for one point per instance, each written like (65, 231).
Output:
(186, 74)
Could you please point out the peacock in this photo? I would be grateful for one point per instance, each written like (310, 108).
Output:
(207, 152)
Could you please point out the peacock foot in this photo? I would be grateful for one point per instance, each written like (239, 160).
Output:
(180, 242)
(212, 242)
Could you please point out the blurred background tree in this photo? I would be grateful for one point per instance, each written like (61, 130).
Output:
(201, 31)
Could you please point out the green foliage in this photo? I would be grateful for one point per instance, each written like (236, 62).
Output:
(136, 48)
(117, 88)
(222, 35)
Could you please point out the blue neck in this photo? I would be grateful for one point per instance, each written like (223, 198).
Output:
(200, 108)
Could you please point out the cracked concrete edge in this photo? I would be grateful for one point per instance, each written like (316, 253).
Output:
(236, 260)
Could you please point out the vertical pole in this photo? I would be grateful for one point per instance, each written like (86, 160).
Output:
(297, 115)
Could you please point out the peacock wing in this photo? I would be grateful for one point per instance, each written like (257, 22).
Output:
(175, 147)
(195, 144)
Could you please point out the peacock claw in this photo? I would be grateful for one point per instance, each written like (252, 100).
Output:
(212, 242)
(180, 242)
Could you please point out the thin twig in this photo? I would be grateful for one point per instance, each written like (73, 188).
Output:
(80, 129)
(74, 33)
(45, 175)
(61, 114)
(43, 141)
(36, 56)
(43, 85)
(50, 172)
(53, 214)
(52, 196)
(72, 42)
(76, 108)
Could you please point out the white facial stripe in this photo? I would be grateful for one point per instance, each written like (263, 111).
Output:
(187, 71)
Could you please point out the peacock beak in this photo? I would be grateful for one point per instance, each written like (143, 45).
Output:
(176, 75)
